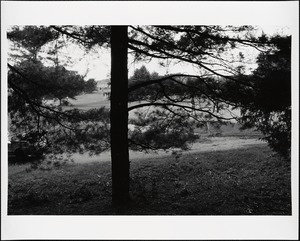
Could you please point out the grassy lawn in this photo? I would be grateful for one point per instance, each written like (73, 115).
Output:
(89, 101)
(248, 181)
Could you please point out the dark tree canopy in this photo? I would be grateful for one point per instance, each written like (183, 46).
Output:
(269, 108)
(31, 38)
(140, 76)
(39, 82)
(90, 86)
(266, 103)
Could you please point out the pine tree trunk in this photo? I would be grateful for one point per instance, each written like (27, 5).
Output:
(119, 116)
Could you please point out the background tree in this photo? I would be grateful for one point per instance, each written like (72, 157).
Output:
(90, 86)
(139, 76)
(64, 83)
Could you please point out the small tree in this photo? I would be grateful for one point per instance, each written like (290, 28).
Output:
(142, 75)
(39, 81)
(90, 86)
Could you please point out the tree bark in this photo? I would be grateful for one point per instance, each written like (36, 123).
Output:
(119, 116)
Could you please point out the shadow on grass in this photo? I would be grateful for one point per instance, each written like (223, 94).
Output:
(250, 181)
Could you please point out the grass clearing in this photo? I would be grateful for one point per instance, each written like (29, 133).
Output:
(247, 181)
(89, 101)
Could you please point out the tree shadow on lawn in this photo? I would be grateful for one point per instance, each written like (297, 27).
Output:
(250, 181)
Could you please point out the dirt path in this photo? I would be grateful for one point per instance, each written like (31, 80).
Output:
(212, 144)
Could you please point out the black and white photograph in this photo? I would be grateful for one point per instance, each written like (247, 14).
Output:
(185, 120)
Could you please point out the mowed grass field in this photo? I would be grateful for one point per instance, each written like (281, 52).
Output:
(247, 181)
(89, 101)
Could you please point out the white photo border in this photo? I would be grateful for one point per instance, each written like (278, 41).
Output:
(267, 13)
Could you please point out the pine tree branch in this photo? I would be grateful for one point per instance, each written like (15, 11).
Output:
(23, 76)
(146, 53)
(185, 30)
(179, 106)
(142, 146)
(215, 96)
(173, 56)
(36, 107)
(71, 35)
(183, 50)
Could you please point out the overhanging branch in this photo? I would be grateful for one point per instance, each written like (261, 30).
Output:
(185, 107)
(169, 55)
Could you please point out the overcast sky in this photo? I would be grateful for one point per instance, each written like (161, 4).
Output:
(97, 65)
